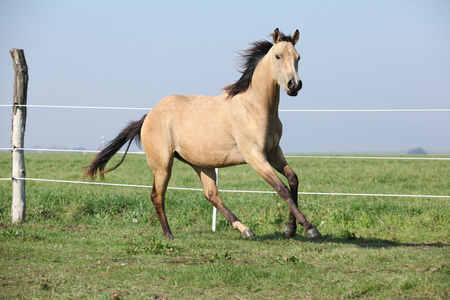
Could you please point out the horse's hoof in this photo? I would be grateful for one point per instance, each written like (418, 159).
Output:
(289, 230)
(170, 236)
(313, 233)
(248, 233)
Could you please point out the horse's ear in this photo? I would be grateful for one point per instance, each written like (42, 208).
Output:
(276, 36)
(295, 36)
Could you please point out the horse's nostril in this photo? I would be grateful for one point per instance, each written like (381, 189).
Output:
(291, 84)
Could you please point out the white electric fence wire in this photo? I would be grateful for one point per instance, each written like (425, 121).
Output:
(287, 156)
(67, 150)
(368, 157)
(79, 107)
(237, 191)
(280, 110)
(227, 191)
(369, 110)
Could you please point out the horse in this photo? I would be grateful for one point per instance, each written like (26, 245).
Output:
(237, 127)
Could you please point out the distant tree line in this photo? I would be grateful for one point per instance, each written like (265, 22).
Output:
(417, 151)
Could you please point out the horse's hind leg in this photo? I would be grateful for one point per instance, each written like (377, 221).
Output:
(161, 178)
(208, 179)
(158, 198)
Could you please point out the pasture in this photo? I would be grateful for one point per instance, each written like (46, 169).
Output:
(85, 241)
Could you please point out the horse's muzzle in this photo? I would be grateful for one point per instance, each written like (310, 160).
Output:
(294, 87)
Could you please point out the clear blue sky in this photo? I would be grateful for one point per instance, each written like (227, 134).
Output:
(355, 55)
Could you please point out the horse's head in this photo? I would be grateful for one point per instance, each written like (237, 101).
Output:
(284, 60)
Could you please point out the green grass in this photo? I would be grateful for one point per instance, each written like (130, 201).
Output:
(80, 241)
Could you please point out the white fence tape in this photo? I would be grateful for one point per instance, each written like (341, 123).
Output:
(225, 191)
(287, 156)
(239, 191)
(280, 110)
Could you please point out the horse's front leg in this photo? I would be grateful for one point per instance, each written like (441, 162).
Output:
(278, 162)
(290, 227)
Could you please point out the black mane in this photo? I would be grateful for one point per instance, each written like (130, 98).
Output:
(250, 59)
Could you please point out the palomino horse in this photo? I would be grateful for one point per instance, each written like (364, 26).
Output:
(240, 126)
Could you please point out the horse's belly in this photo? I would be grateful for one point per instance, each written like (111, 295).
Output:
(211, 157)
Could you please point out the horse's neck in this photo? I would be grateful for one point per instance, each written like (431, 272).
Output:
(264, 91)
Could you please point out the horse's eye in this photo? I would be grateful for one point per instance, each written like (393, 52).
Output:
(277, 56)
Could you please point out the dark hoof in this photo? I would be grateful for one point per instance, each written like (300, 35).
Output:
(170, 237)
(248, 233)
(289, 230)
(313, 233)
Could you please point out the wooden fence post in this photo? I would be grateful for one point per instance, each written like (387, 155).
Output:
(19, 114)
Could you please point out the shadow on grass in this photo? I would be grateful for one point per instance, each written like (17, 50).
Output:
(362, 242)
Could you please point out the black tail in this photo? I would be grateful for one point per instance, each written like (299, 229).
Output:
(97, 166)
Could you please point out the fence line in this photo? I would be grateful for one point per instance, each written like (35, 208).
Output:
(80, 107)
(238, 191)
(228, 191)
(287, 156)
(368, 157)
(369, 110)
(280, 110)
(67, 150)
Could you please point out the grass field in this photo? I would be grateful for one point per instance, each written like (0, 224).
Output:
(83, 241)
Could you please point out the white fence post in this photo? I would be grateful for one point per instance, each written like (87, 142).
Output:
(214, 217)
(19, 114)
